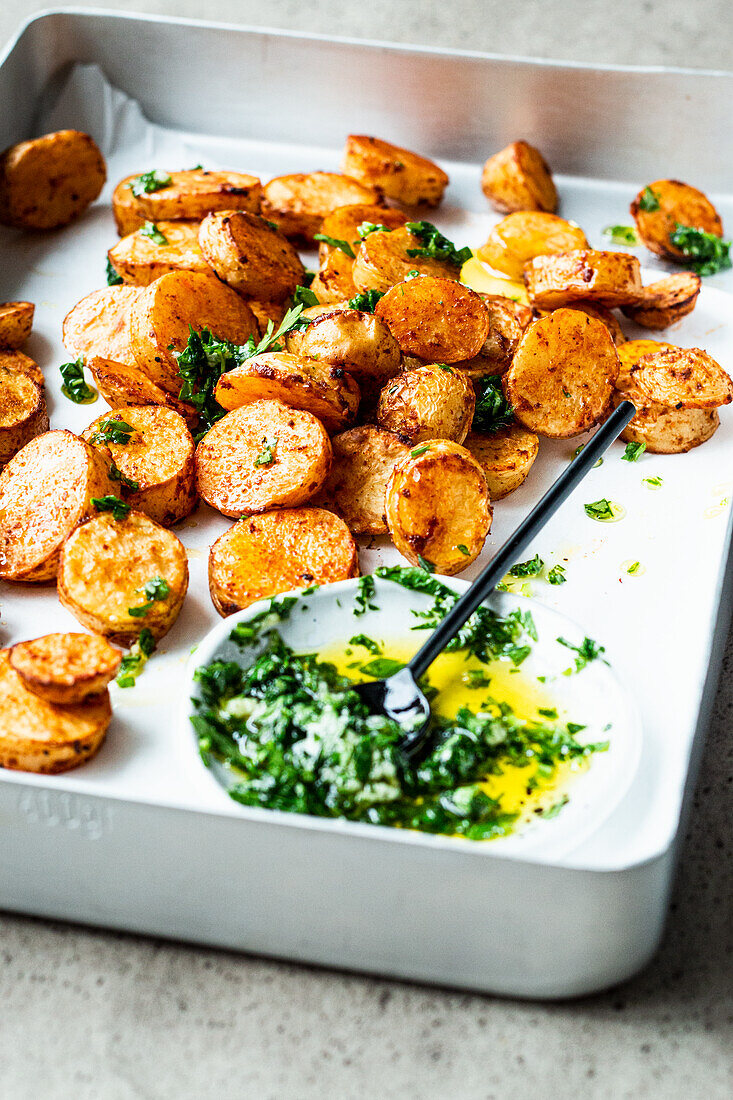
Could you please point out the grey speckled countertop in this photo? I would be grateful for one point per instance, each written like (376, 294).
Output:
(98, 1016)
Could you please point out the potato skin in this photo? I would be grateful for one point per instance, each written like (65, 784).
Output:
(65, 668)
(682, 378)
(121, 385)
(140, 261)
(45, 491)
(363, 460)
(42, 737)
(518, 178)
(342, 224)
(104, 566)
(250, 256)
(666, 301)
(299, 202)
(399, 174)
(49, 181)
(430, 402)
(228, 478)
(190, 197)
(334, 279)
(100, 324)
(608, 278)
(437, 501)
(22, 364)
(382, 260)
(562, 376)
(525, 234)
(23, 413)
(678, 203)
(508, 320)
(438, 320)
(359, 343)
(277, 551)
(506, 457)
(16, 322)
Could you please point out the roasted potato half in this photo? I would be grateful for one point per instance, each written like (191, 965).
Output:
(49, 181)
(249, 254)
(42, 737)
(163, 313)
(100, 324)
(22, 364)
(298, 203)
(16, 322)
(23, 412)
(65, 668)
(382, 260)
(121, 385)
(608, 278)
(682, 378)
(438, 320)
(294, 338)
(525, 234)
(602, 313)
(343, 224)
(152, 449)
(668, 300)
(356, 342)
(334, 279)
(274, 552)
(663, 205)
(363, 460)
(264, 455)
(189, 196)
(506, 457)
(431, 402)
(121, 576)
(437, 506)
(563, 374)
(141, 257)
(45, 491)
(518, 178)
(399, 174)
(666, 431)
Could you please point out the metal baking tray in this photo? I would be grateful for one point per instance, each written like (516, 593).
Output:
(142, 838)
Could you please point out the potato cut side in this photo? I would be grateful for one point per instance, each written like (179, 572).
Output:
(382, 260)
(190, 196)
(506, 457)
(299, 202)
(438, 320)
(399, 174)
(250, 255)
(633, 350)
(65, 668)
(23, 412)
(121, 385)
(608, 278)
(157, 456)
(164, 312)
(358, 343)
(518, 178)
(666, 431)
(363, 460)
(334, 279)
(100, 324)
(324, 390)
(16, 322)
(263, 555)
(430, 402)
(668, 300)
(45, 491)
(663, 205)
(42, 737)
(683, 378)
(437, 506)
(104, 567)
(139, 258)
(22, 364)
(604, 314)
(563, 374)
(264, 455)
(525, 234)
(50, 181)
(343, 224)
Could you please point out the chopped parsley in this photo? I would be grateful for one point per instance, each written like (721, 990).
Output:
(633, 452)
(304, 296)
(587, 651)
(708, 253)
(372, 227)
(382, 667)
(133, 662)
(634, 568)
(652, 482)
(113, 430)
(113, 278)
(425, 565)
(531, 568)
(155, 589)
(151, 231)
(334, 242)
(364, 596)
(75, 387)
(435, 245)
(266, 457)
(148, 182)
(365, 302)
(493, 411)
(622, 234)
(603, 510)
(648, 201)
(419, 451)
(556, 575)
(109, 503)
(463, 550)
(366, 643)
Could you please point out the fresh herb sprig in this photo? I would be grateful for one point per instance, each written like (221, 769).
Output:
(493, 411)
(633, 452)
(367, 301)
(335, 242)
(154, 590)
(531, 568)
(587, 651)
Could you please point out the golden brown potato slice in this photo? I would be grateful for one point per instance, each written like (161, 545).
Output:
(382, 260)
(23, 412)
(100, 324)
(140, 259)
(508, 320)
(663, 205)
(631, 352)
(506, 457)
(264, 455)
(42, 737)
(438, 320)
(50, 180)
(666, 301)
(119, 577)
(602, 313)
(525, 234)
(275, 552)
(518, 178)
(363, 459)
(65, 668)
(437, 506)
(121, 385)
(189, 196)
(16, 322)
(399, 174)
(666, 431)
(563, 373)
(611, 278)
(298, 203)
(318, 388)
(343, 223)
(250, 255)
(334, 279)
(683, 378)
(357, 342)
(431, 402)
(22, 364)
(163, 312)
(157, 455)
(45, 491)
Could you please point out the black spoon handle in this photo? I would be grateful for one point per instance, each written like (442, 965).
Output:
(485, 583)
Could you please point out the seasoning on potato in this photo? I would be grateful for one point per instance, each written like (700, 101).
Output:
(251, 255)
(299, 202)
(505, 456)
(525, 234)
(16, 322)
(334, 279)
(401, 175)
(357, 342)
(683, 378)
(665, 301)
(385, 258)
(438, 320)
(604, 314)
(49, 181)
(100, 324)
(155, 249)
(518, 178)
(343, 225)
(663, 206)
(363, 460)
(23, 412)
(431, 402)
(20, 363)
(158, 195)
(608, 278)
(121, 385)
(65, 668)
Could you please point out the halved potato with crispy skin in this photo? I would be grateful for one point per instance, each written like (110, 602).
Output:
(334, 279)
(359, 343)
(157, 456)
(249, 254)
(50, 180)
(23, 412)
(163, 312)
(16, 322)
(438, 320)
(667, 300)
(294, 338)
(363, 459)
(506, 457)
(683, 378)
(326, 391)
(100, 324)
(264, 455)
(22, 364)
(430, 402)
(525, 234)
(343, 223)
(190, 196)
(45, 491)
(663, 205)
(121, 385)
(611, 278)
(299, 202)
(631, 352)
(563, 374)
(140, 260)
(604, 314)
(666, 431)
(104, 567)
(65, 668)
(518, 178)
(42, 737)
(277, 551)
(399, 174)
(382, 260)
(437, 506)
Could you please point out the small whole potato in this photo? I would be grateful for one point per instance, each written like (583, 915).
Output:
(525, 234)
(250, 255)
(518, 178)
(438, 320)
(401, 175)
(49, 181)
(358, 342)
(663, 205)
(431, 402)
